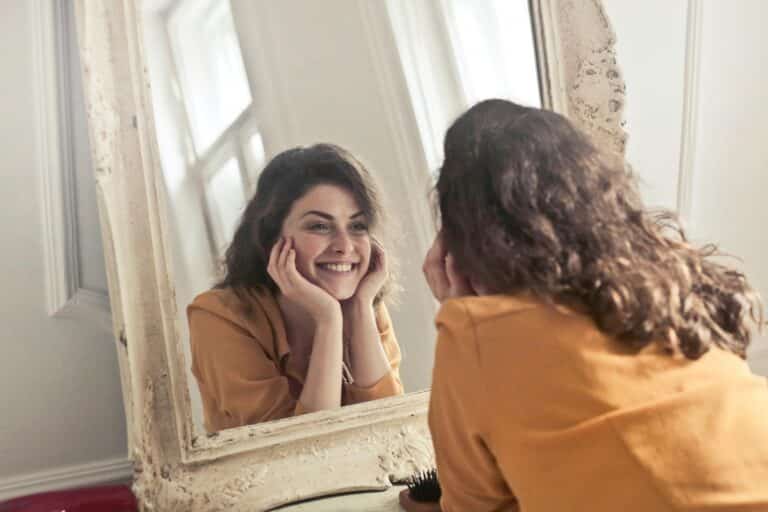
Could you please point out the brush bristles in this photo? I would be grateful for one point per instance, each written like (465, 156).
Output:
(424, 487)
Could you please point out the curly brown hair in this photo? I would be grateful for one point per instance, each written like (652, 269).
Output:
(528, 203)
(284, 180)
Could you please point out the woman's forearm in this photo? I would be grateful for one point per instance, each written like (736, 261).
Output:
(322, 386)
(367, 357)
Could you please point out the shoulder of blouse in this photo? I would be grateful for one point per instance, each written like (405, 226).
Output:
(463, 312)
(255, 313)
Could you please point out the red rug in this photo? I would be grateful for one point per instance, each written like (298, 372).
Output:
(112, 498)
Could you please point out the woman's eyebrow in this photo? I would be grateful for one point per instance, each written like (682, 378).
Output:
(329, 216)
(318, 213)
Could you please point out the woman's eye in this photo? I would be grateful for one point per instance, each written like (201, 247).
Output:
(360, 227)
(319, 227)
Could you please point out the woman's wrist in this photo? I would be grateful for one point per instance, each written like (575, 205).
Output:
(330, 317)
(358, 304)
(358, 313)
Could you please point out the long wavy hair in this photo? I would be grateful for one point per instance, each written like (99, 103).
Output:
(528, 204)
(285, 179)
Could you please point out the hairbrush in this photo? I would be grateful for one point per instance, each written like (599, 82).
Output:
(423, 492)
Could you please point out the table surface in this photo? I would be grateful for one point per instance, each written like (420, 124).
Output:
(381, 501)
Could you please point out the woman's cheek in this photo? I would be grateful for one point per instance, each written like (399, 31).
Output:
(367, 254)
(303, 262)
(306, 252)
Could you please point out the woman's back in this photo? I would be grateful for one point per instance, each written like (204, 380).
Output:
(533, 401)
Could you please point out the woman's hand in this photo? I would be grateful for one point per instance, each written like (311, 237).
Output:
(444, 278)
(295, 287)
(374, 279)
(368, 361)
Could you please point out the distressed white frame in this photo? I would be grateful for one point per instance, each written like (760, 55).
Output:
(361, 447)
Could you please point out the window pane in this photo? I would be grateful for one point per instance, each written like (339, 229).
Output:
(226, 201)
(493, 42)
(210, 67)
(256, 157)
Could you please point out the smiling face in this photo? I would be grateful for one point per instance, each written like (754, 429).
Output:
(330, 234)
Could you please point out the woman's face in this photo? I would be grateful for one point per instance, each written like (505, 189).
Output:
(331, 239)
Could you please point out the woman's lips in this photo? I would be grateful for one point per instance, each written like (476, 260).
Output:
(338, 267)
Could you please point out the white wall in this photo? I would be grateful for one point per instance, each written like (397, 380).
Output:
(709, 160)
(61, 412)
(730, 179)
(652, 61)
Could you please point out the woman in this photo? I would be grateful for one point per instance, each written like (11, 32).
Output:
(298, 322)
(589, 357)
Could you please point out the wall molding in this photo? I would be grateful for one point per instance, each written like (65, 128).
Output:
(690, 111)
(68, 477)
(65, 294)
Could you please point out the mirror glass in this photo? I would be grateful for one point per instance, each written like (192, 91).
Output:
(236, 83)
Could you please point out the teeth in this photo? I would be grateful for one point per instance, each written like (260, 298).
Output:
(337, 267)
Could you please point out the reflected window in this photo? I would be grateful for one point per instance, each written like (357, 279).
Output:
(226, 200)
(455, 53)
(492, 43)
(255, 156)
(210, 68)
(209, 138)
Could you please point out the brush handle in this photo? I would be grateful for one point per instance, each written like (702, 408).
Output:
(409, 505)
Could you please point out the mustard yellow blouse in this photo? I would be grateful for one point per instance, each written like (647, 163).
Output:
(534, 409)
(242, 361)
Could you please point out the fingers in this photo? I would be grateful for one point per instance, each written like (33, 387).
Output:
(434, 269)
(450, 270)
(436, 253)
(443, 276)
(437, 279)
(287, 246)
(378, 257)
(277, 267)
(458, 284)
(273, 257)
(291, 273)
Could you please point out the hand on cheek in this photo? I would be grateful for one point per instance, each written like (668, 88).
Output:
(443, 276)
(282, 268)
(375, 277)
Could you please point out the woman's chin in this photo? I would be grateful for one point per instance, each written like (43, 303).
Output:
(340, 293)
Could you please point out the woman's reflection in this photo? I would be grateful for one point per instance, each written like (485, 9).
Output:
(298, 323)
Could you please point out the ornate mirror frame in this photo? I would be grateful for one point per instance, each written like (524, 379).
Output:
(361, 447)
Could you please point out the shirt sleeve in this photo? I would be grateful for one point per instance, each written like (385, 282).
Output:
(389, 384)
(469, 476)
(239, 384)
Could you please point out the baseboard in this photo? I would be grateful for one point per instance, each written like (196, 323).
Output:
(68, 477)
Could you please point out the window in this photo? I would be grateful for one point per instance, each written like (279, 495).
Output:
(492, 43)
(455, 53)
(224, 150)
(210, 68)
(226, 199)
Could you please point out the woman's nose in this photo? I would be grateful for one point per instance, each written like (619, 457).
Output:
(342, 244)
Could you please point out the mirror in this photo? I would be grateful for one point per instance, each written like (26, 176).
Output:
(235, 83)
(407, 70)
